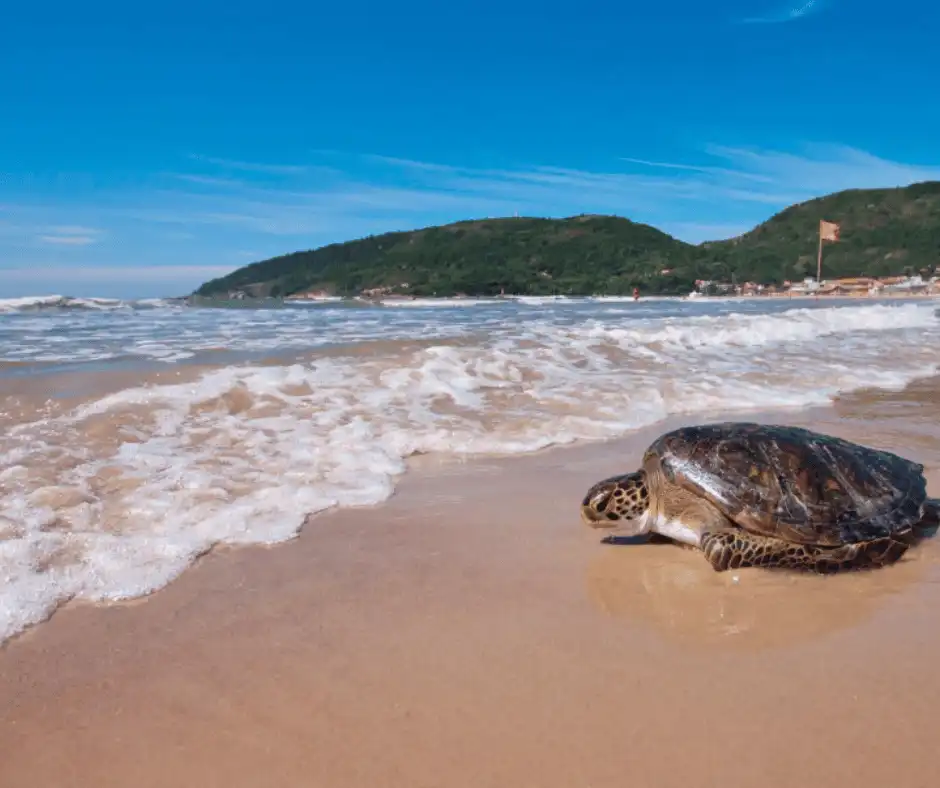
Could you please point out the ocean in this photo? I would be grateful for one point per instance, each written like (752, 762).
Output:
(135, 436)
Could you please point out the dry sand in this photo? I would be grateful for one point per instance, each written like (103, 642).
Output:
(471, 632)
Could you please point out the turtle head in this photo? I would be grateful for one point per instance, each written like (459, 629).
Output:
(618, 502)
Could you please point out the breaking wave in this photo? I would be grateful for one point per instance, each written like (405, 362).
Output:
(59, 302)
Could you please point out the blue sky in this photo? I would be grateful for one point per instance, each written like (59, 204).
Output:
(145, 148)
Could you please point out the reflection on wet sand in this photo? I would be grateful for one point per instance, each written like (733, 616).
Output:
(674, 591)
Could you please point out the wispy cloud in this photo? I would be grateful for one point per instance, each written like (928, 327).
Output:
(68, 235)
(739, 176)
(251, 166)
(722, 188)
(668, 165)
(823, 168)
(789, 13)
(717, 191)
(28, 231)
(207, 180)
(413, 164)
(67, 240)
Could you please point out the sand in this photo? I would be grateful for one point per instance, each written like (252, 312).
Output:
(471, 632)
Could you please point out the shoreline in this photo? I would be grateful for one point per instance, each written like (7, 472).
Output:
(552, 298)
(470, 631)
(38, 304)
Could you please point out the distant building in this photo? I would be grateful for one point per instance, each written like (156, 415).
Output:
(907, 284)
(807, 286)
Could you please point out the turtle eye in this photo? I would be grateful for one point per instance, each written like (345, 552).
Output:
(598, 503)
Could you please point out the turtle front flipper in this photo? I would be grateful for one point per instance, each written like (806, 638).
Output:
(741, 549)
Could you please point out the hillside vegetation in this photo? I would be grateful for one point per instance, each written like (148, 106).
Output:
(883, 231)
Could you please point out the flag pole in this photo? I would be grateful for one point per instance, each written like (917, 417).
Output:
(819, 260)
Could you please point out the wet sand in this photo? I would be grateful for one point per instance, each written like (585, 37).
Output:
(471, 632)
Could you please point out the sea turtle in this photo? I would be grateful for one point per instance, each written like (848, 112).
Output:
(773, 496)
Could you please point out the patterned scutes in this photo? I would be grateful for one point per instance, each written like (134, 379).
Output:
(795, 484)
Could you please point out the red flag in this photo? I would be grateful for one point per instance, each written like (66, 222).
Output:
(828, 231)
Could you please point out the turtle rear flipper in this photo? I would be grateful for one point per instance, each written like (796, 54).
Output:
(741, 549)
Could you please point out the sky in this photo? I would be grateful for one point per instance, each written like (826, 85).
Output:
(145, 148)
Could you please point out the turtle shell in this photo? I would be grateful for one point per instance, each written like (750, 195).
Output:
(792, 483)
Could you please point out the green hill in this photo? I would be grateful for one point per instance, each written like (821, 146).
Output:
(883, 231)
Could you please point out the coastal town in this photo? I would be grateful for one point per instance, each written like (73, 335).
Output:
(858, 286)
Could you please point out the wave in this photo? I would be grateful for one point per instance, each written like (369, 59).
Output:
(741, 330)
(116, 498)
(623, 299)
(439, 302)
(541, 300)
(60, 302)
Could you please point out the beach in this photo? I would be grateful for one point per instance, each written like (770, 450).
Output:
(459, 626)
